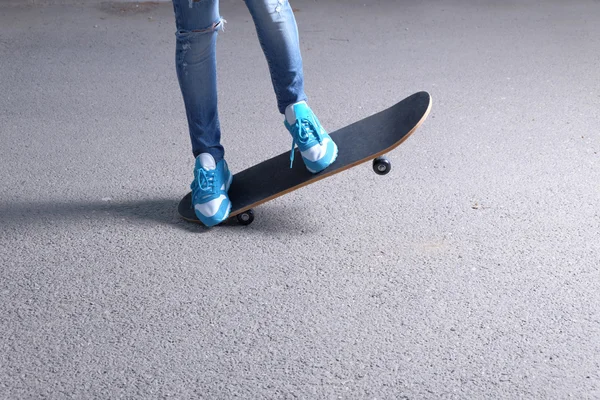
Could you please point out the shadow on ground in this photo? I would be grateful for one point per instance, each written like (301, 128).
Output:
(269, 219)
(163, 211)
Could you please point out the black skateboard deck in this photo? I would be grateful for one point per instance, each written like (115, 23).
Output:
(360, 142)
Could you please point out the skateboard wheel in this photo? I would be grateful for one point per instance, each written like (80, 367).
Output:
(246, 217)
(381, 165)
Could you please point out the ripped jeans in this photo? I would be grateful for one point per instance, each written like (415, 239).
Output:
(198, 23)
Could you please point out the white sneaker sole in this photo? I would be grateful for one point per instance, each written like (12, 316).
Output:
(335, 154)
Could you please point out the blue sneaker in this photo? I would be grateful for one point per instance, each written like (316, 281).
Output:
(317, 149)
(209, 190)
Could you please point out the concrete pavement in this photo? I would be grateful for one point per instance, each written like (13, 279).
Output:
(470, 271)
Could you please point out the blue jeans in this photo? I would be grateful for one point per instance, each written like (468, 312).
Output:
(198, 24)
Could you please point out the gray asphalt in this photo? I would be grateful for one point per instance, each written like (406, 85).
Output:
(471, 271)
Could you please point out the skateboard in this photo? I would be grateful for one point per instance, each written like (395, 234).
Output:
(360, 142)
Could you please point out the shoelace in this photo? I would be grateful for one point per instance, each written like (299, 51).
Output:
(305, 128)
(206, 181)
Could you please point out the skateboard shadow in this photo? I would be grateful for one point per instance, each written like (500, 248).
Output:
(270, 219)
(161, 211)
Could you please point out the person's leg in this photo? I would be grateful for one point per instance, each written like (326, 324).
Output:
(278, 35)
(198, 23)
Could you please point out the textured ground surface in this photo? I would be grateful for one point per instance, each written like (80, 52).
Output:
(471, 271)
